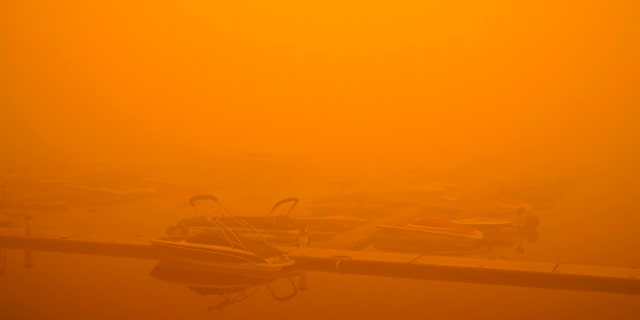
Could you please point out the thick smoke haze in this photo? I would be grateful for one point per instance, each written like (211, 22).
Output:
(461, 85)
(318, 93)
(255, 101)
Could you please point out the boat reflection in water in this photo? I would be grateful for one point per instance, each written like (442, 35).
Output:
(225, 287)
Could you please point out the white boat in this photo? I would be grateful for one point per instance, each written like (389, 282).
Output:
(426, 235)
(221, 247)
(485, 224)
(434, 227)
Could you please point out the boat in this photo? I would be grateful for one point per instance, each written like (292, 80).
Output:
(223, 246)
(283, 227)
(435, 227)
(274, 228)
(485, 224)
(426, 234)
(289, 227)
(280, 228)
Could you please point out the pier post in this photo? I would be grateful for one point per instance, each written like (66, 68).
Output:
(27, 225)
(28, 254)
(303, 238)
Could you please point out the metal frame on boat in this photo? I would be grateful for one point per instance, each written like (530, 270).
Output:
(223, 245)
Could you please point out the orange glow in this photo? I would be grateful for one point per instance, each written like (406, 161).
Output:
(256, 101)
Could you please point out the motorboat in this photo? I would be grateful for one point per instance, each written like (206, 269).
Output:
(210, 249)
(437, 227)
(228, 242)
(426, 234)
(278, 226)
(481, 222)
(284, 226)
(272, 227)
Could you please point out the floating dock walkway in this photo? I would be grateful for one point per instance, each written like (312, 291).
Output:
(401, 265)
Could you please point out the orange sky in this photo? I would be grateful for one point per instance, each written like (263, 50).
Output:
(400, 83)
(281, 98)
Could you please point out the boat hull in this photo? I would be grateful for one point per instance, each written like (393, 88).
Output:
(427, 235)
(217, 256)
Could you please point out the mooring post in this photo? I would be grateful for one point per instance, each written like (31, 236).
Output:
(28, 255)
(27, 225)
(303, 238)
(3, 261)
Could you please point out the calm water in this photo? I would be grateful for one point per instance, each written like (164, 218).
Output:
(64, 286)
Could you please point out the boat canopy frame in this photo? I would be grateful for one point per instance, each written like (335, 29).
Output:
(232, 238)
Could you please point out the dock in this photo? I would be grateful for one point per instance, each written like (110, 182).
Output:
(385, 264)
